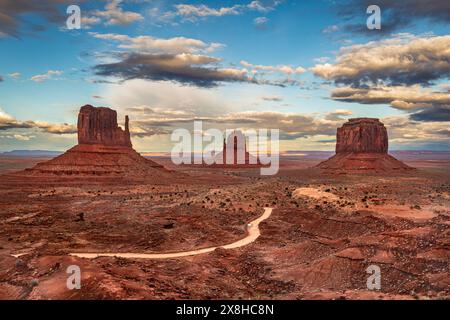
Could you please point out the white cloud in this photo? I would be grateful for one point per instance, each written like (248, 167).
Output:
(14, 75)
(289, 70)
(113, 14)
(191, 12)
(261, 21)
(399, 97)
(22, 137)
(49, 75)
(149, 44)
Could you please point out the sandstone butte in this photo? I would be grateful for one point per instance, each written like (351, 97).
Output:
(237, 143)
(104, 149)
(362, 145)
(239, 157)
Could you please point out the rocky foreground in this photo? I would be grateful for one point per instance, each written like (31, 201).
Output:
(323, 234)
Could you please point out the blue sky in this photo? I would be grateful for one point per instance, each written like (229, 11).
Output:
(244, 64)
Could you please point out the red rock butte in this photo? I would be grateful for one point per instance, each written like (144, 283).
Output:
(235, 154)
(104, 149)
(362, 145)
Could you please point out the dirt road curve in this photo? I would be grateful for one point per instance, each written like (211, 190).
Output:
(253, 233)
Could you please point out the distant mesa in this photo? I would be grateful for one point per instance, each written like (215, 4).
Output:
(235, 151)
(234, 154)
(104, 149)
(362, 145)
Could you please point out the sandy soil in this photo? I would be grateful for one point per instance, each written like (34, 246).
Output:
(317, 244)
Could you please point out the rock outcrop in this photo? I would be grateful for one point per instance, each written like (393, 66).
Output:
(99, 126)
(362, 135)
(104, 149)
(235, 154)
(362, 145)
(235, 150)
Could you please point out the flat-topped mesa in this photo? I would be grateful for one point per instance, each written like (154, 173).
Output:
(362, 145)
(362, 135)
(99, 126)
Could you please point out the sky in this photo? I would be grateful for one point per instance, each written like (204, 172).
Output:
(303, 67)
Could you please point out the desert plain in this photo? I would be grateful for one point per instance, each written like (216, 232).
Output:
(325, 230)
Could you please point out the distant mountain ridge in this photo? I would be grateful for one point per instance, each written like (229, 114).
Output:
(31, 153)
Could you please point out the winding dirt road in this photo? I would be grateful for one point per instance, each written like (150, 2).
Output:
(253, 233)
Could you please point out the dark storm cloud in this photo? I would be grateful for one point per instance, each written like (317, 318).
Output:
(433, 114)
(1, 79)
(189, 69)
(396, 14)
(12, 14)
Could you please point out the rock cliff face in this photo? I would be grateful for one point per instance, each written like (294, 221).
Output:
(362, 145)
(99, 126)
(362, 135)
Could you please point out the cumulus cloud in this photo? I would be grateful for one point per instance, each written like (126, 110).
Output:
(338, 115)
(49, 75)
(402, 60)
(194, 12)
(113, 14)
(289, 70)
(7, 122)
(400, 97)
(56, 128)
(184, 68)
(404, 131)
(428, 104)
(182, 60)
(22, 137)
(148, 44)
(291, 125)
